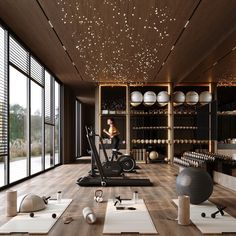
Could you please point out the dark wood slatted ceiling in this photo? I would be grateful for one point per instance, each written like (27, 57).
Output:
(87, 41)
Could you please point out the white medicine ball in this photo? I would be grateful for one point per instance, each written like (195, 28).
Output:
(136, 98)
(163, 98)
(149, 98)
(192, 98)
(178, 98)
(205, 97)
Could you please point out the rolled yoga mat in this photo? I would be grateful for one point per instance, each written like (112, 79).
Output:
(184, 210)
(11, 203)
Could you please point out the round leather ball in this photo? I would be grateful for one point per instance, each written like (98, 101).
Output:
(192, 98)
(149, 98)
(205, 97)
(163, 98)
(153, 155)
(136, 98)
(196, 183)
(178, 98)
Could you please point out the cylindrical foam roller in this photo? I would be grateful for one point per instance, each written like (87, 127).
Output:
(11, 203)
(184, 210)
(89, 215)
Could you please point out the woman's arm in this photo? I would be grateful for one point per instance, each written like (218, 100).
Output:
(106, 132)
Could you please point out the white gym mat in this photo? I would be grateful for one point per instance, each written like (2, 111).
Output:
(42, 221)
(208, 225)
(128, 221)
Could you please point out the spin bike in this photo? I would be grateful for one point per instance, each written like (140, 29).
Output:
(117, 164)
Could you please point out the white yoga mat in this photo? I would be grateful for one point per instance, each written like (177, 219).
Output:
(128, 221)
(208, 225)
(42, 221)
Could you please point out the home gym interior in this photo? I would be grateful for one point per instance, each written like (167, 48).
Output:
(117, 117)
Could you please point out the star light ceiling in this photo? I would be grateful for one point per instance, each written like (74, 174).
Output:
(117, 40)
(227, 79)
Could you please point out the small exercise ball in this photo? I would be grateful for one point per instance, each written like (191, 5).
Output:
(196, 183)
(192, 98)
(136, 98)
(30, 203)
(153, 155)
(178, 98)
(163, 98)
(205, 97)
(149, 98)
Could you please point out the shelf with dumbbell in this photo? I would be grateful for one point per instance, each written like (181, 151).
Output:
(191, 119)
(149, 122)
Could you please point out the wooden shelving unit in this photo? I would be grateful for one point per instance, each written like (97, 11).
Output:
(166, 129)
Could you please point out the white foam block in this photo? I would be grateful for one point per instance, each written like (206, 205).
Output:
(42, 221)
(128, 221)
(208, 225)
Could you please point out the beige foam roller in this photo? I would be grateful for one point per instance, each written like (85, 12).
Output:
(11, 203)
(184, 210)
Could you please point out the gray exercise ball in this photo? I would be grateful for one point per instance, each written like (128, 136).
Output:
(196, 183)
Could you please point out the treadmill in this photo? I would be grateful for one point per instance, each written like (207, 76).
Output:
(103, 180)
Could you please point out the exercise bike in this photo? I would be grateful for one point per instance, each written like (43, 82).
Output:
(114, 166)
(103, 179)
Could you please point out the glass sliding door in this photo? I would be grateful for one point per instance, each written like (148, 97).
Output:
(18, 124)
(57, 123)
(36, 147)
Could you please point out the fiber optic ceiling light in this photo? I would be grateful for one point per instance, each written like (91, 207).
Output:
(118, 40)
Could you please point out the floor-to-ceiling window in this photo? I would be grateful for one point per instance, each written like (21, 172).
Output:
(3, 107)
(57, 123)
(36, 118)
(36, 149)
(18, 124)
(49, 120)
(29, 113)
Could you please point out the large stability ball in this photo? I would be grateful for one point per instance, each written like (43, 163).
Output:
(149, 98)
(178, 98)
(196, 183)
(136, 98)
(192, 98)
(205, 97)
(163, 98)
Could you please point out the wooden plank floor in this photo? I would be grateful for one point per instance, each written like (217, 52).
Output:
(157, 197)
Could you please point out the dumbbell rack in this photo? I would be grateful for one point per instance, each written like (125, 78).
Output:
(208, 161)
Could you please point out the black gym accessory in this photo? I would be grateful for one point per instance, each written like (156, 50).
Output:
(203, 214)
(103, 179)
(31, 214)
(45, 199)
(118, 200)
(220, 210)
(213, 215)
(125, 208)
